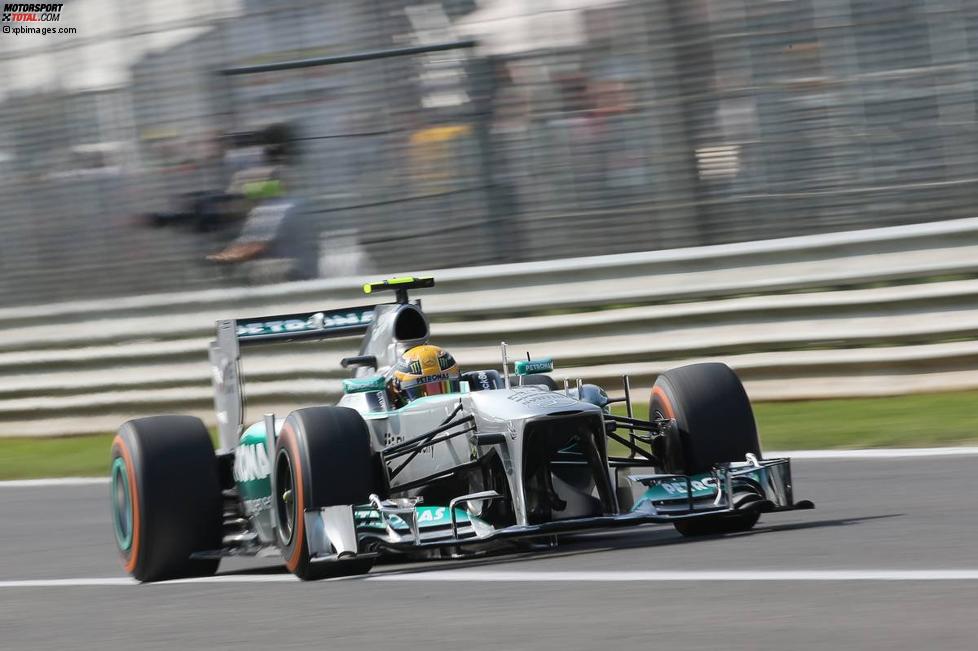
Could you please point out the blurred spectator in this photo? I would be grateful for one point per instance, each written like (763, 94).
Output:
(276, 242)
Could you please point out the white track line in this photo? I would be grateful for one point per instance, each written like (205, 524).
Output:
(66, 583)
(873, 453)
(490, 576)
(692, 575)
(876, 453)
(125, 581)
(54, 481)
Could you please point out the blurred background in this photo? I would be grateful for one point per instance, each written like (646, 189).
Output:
(377, 136)
(627, 185)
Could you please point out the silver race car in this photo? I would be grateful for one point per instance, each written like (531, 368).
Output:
(495, 461)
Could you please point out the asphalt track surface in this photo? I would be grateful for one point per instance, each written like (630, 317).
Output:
(802, 580)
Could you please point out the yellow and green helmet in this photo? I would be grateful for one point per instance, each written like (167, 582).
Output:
(425, 370)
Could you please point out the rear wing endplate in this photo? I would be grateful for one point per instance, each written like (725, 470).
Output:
(232, 334)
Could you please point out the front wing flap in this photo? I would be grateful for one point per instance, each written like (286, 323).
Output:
(405, 525)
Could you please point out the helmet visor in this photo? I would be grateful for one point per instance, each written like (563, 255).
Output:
(432, 388)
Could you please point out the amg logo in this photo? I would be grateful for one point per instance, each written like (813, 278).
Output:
(696, 484)
(256, 506)
(432, 515)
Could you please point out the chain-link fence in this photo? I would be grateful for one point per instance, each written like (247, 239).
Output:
(176, 145)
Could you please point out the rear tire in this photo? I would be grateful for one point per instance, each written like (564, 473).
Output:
(322, 459)
(714, 424)
(166, 497)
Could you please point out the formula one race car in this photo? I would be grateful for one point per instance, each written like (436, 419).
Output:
(485, 462)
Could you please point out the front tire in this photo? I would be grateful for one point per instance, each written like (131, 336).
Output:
(322, 459)
(714, 424)
(166, 498)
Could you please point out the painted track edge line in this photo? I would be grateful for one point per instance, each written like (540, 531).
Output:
(99, 582)
(484, 576)
(656, 576)
(53, 481)
(876, 453)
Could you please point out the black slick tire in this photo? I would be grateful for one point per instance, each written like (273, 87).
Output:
(166, 498)
(322, 459)
(714, 424)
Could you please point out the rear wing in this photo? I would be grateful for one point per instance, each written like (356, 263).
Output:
(232, 334)
(325, 324)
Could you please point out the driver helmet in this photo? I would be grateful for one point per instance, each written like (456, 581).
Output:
(425, 370)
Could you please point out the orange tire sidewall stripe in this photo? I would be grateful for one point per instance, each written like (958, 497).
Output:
(299, 528)
(130, 563)
(659, 393)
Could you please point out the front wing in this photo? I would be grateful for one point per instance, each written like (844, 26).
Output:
(406, 526)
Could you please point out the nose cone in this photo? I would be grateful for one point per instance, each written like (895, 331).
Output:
(521, 403)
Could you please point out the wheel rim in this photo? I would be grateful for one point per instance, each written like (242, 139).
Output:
(121, 505)
(285, 507)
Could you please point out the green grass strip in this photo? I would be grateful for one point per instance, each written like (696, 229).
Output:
(928, 420)
(75, 456)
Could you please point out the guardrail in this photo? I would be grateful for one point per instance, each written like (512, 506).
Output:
(882, 311)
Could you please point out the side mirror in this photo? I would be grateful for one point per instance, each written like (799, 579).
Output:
(364, 384)
(374, 387)
(370, 361)
(530, 366)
